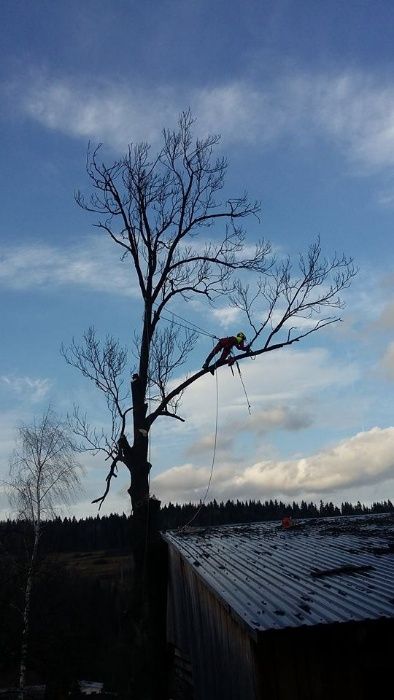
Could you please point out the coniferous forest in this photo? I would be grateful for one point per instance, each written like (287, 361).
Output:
(82, 622)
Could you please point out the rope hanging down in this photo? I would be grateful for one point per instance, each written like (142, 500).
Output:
(213, 459)
(146, 545)
(189, 325)
(244, 388)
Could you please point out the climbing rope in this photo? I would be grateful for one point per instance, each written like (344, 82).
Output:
(189, 325)
(145, 558)
(202, 503)
(199, 329)
(244, 388)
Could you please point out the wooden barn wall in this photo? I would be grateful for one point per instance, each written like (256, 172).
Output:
(346, 661)
(220, 650)
(326, 662)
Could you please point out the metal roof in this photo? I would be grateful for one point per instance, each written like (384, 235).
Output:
(316, 572)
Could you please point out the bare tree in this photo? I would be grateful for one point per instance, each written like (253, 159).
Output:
(182, 241)
(43, 475)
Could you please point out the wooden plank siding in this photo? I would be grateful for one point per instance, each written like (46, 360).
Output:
(221, 652)
(222, 658)
(342, 662)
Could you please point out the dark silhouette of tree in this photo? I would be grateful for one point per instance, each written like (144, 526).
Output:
(159, 209)
(183, 240)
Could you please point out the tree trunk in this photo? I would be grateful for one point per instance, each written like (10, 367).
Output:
(139, 471)
(26, 614)
(149, 552)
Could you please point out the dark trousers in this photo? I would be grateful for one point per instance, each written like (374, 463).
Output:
(224, 347)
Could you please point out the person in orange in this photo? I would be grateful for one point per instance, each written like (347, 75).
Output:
(286, 522)
(225, 345)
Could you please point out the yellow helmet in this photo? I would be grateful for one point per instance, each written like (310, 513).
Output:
(241, 335)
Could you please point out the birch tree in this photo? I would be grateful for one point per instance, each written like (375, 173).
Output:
(44, 474)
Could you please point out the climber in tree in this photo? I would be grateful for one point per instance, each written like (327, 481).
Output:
(226, 345)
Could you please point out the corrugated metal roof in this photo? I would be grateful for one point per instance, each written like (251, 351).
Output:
(322, 571)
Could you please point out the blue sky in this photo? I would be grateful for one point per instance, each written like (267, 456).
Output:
(303, 96)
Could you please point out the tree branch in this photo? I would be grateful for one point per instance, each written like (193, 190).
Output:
(108, 479)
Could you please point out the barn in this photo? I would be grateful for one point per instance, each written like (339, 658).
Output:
(263, 612)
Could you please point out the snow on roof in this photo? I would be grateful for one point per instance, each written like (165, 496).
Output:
(90, 687)
(318, 571)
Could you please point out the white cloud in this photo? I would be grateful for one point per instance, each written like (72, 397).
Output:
(285, 390)
(353, 109)
(278, 417)
(359, 111)
(182, 484)
(41, 265)
(279, 377)
(226, 316)
(365, 458)
(33, 389)
(259, 423)
(115, 114)
(206, 444)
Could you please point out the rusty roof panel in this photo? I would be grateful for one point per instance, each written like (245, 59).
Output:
(316, 572)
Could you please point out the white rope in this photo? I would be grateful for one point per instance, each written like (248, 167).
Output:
(213, 458)
(244, 388)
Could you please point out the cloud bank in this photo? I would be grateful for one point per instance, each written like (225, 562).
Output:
(352, 109)
(258, 424)
(32, 389)
(279, 384)
(365, 458)
(40, 265)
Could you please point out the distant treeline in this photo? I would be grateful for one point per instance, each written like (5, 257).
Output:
(114, 532)
(215, 513)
